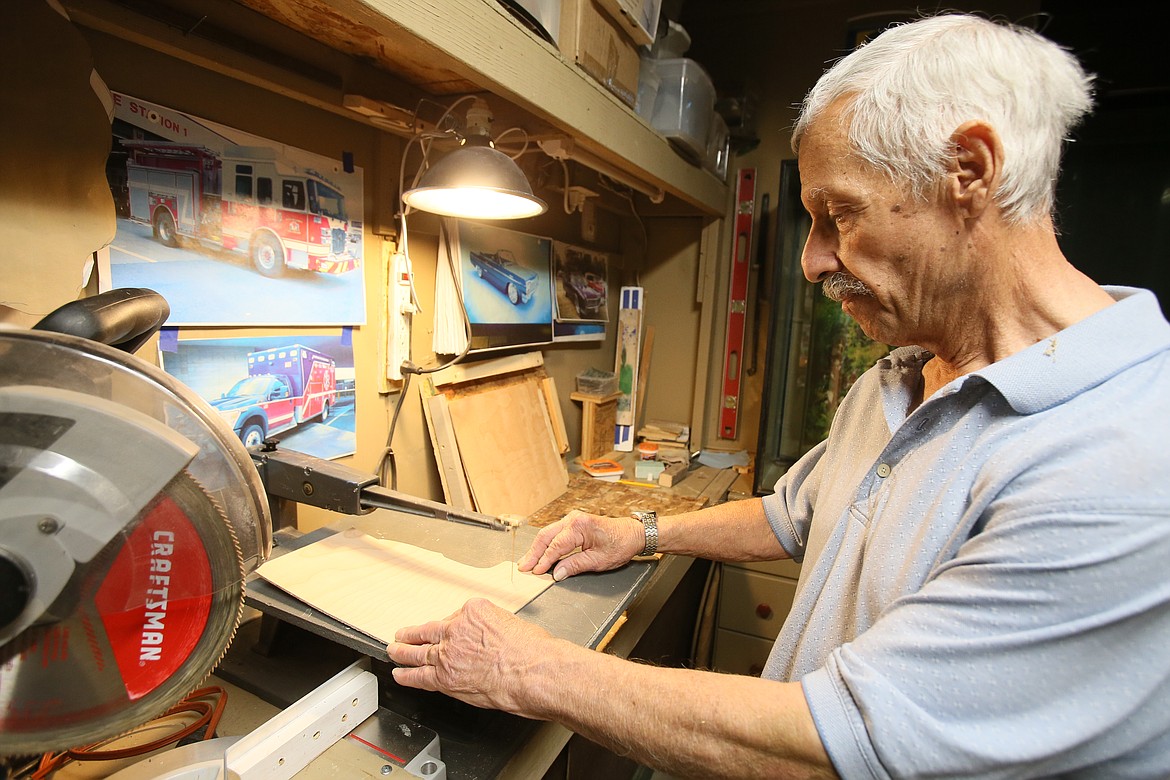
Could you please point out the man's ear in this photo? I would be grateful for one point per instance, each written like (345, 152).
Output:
(976, 167)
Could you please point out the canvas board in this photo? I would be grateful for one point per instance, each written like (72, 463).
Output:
(380, 585)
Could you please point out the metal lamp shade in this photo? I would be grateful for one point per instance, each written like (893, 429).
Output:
(475, 182)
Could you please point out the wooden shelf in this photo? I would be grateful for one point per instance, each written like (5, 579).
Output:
(335, 54)
(462, 46)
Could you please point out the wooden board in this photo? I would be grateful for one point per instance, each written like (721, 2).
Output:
(508, 448)
(612, 499)
(553, 402)
(706, 482)
(629, 340)
(379, 585)
(451, 474)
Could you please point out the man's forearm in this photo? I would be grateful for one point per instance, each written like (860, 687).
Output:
(685, 722)
(732, 531)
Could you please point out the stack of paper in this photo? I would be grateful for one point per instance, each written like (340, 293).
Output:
(450, 332)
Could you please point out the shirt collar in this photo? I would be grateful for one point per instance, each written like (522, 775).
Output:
(1060, 367)
(1082, 355)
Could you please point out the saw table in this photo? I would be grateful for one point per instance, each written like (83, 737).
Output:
(291, 648)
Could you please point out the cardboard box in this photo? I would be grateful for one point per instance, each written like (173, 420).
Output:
(639, 18)
(598, 44)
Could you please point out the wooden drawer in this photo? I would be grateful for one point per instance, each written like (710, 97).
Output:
(784, 568)
(754, 603)
(737, 653)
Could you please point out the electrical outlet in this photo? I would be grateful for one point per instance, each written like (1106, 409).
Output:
(588, 221)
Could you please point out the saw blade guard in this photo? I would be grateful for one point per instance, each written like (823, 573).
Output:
(129, 519)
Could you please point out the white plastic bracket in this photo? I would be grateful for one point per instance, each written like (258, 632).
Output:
(292, 739)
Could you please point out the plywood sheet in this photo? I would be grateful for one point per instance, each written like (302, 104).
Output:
(507, 448)
(379, 585)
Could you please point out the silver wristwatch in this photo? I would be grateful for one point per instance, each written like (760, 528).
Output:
(649, 521)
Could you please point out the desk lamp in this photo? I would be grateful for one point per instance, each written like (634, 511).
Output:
(476, 181)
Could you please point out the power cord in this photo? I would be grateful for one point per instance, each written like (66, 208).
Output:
(207, 714)
(386, 464)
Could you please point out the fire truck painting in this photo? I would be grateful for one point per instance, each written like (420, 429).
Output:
(285, 386)
(243, 200)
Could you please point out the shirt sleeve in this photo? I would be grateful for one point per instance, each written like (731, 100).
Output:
(788, 507)
(1042, 644)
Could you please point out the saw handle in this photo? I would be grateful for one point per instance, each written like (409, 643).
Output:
(124, 318)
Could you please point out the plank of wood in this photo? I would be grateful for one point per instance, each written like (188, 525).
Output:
(553, 401)
(456, 490)
(629, 342)
(380, 585)
(717, 488)
(696, 481)
(471, 372)
(609, 635)
(673, 473)
(643, 373)
(505, 445)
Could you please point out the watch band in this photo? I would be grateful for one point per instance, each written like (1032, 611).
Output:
(649, 520)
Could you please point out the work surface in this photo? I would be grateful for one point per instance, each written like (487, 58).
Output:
(584, 609)
(581, 609)
(475, 743)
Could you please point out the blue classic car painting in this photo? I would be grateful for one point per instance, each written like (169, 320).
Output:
(505, 274)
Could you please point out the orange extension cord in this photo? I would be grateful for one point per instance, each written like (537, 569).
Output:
(208, 715)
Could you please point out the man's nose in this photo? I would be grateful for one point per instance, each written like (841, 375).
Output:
(819, 258)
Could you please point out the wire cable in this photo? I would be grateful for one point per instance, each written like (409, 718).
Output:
(208, 715)
(387, 469)
(387, 464)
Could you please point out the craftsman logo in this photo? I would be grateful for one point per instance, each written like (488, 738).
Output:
(161, 549)
(155, 603)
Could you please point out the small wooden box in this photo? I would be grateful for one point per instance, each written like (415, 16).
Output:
(598, 418)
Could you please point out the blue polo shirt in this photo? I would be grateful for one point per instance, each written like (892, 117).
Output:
(985, 588)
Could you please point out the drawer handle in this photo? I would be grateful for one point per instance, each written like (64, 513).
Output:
(763, 611)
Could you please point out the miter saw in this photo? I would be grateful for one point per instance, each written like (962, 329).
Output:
(130, 516)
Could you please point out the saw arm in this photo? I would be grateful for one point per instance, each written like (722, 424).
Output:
(290, 476)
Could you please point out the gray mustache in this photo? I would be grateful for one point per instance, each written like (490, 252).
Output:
(841, 284)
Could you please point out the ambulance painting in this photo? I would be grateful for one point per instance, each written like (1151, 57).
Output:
(285, 387)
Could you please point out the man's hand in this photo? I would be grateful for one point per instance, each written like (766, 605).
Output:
(481, 654)
(605, 543)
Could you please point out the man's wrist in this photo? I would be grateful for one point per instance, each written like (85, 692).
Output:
(649, 520)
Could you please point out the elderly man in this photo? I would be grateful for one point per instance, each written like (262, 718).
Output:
(985, 532)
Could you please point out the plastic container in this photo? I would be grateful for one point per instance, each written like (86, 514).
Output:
(648, 450)
(672, 44)
(648, 82)
(685, 105)
(596, 382)
(718, 147)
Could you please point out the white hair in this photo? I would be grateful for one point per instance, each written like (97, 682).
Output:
(915, 84)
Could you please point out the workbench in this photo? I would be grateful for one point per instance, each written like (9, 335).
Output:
(278, 659)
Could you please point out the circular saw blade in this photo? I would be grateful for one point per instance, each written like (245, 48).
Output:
(132, 565)
(144, 623)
